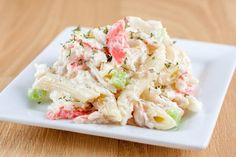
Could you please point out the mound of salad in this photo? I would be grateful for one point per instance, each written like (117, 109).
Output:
(130, 70)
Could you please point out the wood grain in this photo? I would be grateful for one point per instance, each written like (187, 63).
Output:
(27, 26)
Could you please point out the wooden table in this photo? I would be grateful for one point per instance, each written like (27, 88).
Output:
(27, 26)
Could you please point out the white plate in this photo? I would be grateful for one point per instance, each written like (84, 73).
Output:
(213, 64)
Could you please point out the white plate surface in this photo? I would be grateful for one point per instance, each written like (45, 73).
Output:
(213, 65)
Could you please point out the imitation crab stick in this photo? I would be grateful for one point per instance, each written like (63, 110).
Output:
(116, 41)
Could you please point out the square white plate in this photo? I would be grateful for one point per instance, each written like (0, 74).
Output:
(213, 65)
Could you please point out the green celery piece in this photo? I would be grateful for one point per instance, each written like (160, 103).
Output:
(175, 113)
(38, 95)
(118, 79)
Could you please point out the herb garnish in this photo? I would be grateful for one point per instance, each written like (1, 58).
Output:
(131, 35)
(73, 38)
(77, 29)
(110, 71)
(168, 64)
(80, 43)
(89, 34)
(125, 61)
(151, 35)
(140, 38)
(105, 30)
(109, 57)
(63, 45)
(185, 95)
(69, 54)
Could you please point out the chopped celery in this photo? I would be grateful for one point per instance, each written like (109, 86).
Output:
(118, 78)
(175, 113)
(38, 95)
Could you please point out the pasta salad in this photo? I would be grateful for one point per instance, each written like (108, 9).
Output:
(130, 70)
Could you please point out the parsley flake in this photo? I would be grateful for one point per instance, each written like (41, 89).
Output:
(105, 30)
(168, 65)
(89, 35)
(185, 95)
(131, 35)
(125, 61)
(109, 57)
(110, 71)
(77, 29)
(140, 38)
(69, 54)
(63, 45)
(81, 44)
(151, 35)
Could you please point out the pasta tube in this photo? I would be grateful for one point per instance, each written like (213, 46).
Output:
(152, 116)
(50, 82)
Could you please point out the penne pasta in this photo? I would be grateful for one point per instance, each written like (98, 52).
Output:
(132, 93)
(152, 116)
(52, 82)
